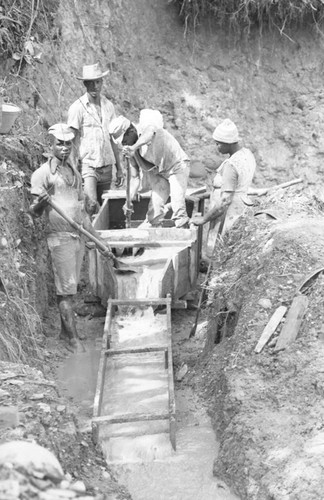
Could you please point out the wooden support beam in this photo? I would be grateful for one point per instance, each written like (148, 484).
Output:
(135, 350)
(141, 302)
(293, 321)
(270, 328)
(130, 417)
(148, 243)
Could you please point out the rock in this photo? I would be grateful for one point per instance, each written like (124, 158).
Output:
(9, 489)
(9, 417)
(31, 457)
(181, 372)
(35, 397)
(265, 303)
(78, 486)
(57, 494)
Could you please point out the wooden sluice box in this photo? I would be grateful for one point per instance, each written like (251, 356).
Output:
(166, 259)
(134, 407)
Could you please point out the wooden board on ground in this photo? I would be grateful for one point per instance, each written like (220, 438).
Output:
(270, 328)
(293, 321)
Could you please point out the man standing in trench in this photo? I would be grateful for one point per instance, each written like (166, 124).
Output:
(157, 160)
(90, 116)
(230, 186)
(60, 180)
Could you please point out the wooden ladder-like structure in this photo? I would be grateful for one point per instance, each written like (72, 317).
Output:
(125, 368)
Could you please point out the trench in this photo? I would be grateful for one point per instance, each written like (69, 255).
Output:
(160, 472)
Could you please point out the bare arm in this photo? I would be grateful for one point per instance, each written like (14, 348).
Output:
(216, 211)
(134, 178)
(119, 170)
(144, 138)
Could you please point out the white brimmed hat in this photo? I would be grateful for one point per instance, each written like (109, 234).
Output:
(118, 126)
(62, 132)
(226, 132)
(92, 72)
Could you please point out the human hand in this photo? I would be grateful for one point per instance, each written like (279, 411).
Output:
(44, 198)
(119, 179)
(128, 210)
(197, 220)
(128, 151)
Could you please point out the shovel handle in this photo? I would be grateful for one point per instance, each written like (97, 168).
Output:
(101, 246)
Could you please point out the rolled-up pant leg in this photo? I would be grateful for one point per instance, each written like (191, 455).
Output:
(178, 181)
(160, 193)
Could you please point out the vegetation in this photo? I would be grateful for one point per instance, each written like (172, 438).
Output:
(242, 15)
(23, 24)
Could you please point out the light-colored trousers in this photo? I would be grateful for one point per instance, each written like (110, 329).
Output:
(163, 185)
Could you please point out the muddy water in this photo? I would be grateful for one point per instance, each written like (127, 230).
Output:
(185, 474)
(146, 464)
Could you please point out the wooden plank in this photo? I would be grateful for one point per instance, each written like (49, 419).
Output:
(135, 350)
(146, 243)
(107, 285)
(149, 234)
(141, 302)
(101, 374)
(93, 272)
(172, 408)
(270, 328)
(294, 318)
(181, 273)
(166, 285)
(101, 220)
(110, 432)
(130, 417)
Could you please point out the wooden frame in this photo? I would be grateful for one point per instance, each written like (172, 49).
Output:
(107, 353)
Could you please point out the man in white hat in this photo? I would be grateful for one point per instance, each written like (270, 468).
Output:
(158, 159)
(90, 116)
(230, 186)
(58, 179)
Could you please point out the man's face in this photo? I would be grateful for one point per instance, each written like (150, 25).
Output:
(130, 136)
(223, 147)
(61, 149)
(93, 87)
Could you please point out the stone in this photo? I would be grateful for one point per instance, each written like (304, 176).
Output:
(9, 417)
(265, 303)
(78, 486)
(31, 457)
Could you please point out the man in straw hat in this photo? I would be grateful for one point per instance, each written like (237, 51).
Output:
(157, 161)
(58, 179)
(230, 186)
(90, 116)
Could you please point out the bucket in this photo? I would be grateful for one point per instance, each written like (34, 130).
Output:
(9, 115)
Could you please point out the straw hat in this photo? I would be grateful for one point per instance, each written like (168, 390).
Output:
(92, 72)
(226, 132)
(62, 132)
(118, 127)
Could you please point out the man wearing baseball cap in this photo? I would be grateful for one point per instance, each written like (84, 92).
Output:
(230, 186)
(90, 116)
(157, 160)
(58, 179)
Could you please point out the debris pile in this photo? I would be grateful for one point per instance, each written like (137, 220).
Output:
(268, 402)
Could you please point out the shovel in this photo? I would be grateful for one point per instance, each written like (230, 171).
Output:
(119, 266)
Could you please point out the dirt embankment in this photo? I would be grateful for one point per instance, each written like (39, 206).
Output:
(268, 407)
